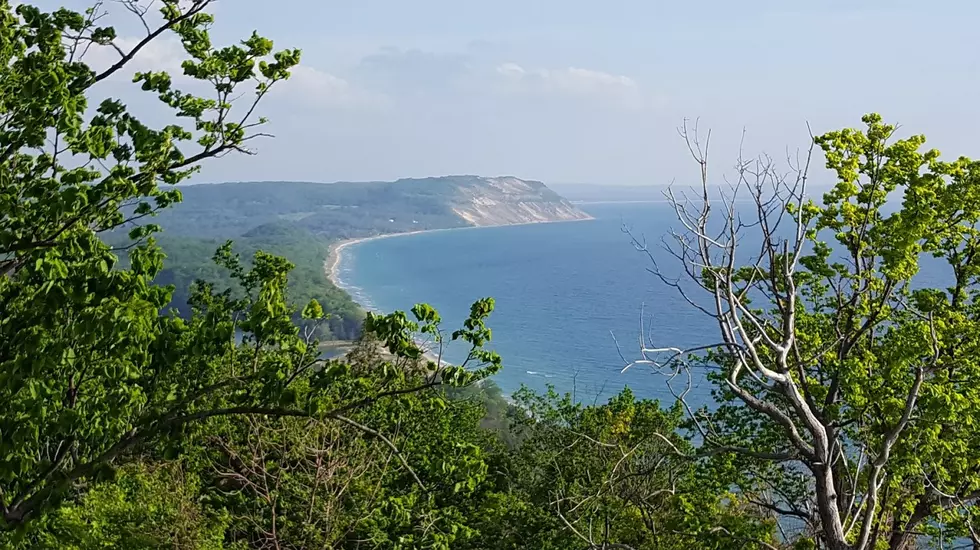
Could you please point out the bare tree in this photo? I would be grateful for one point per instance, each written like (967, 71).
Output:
(826, 361)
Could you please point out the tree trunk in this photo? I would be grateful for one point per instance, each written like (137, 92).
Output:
(831, 524)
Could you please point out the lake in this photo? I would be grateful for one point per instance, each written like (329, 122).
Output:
(563, 291)
(565, 294)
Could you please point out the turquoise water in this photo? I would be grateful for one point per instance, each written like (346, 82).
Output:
(562, 292)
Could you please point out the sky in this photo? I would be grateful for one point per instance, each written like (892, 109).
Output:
(583, 91)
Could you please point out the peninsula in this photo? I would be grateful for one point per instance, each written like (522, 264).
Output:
(311, 223)
(473, 201)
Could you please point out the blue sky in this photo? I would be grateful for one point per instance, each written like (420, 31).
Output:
(589, 91)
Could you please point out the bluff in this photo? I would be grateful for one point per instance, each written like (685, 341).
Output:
(482, 201)
(354, 209)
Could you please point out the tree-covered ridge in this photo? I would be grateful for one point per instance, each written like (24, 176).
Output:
(333, 211)
(189, 260)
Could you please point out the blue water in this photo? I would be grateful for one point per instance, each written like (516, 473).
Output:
(562, 292)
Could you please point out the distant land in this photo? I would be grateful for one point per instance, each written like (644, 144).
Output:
(358, 209)
(305, 221)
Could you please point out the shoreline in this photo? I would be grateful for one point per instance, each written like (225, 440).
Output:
(335, 254)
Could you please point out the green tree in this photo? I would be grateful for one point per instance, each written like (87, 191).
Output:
(848, 387)
(82, 347)
(393, 475)
(188, 259)
(90, 371)
(613, 476)
(148, 506)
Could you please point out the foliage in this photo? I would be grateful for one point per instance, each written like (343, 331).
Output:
(90, 371)
(147, 506)
(614, 474)
(375, 474)
(188, 260)
(847, 385)
(300, 483)
(88, 368)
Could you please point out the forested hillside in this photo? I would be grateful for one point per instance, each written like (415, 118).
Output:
(189, 260)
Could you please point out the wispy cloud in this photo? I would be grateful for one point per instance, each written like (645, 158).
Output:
(463, 76)
(571, 81)
(316, 88)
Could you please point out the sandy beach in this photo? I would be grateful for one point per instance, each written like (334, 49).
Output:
(336, 252)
